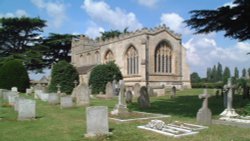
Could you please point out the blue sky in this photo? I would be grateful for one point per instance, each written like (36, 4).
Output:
(90, 17)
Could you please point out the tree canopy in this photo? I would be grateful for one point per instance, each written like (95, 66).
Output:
(234, 20)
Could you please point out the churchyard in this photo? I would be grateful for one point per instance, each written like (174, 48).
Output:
(52, 122)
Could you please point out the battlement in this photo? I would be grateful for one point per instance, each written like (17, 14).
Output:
(88, 43)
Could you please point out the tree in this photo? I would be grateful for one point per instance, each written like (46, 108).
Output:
(244, 73)
(236, 73)
(14, 74)
(56, 47)
(209, 74)
(18, 38)
(214, 74)
(219, 72)
(195, 78)
(63, 74)
(248, 71)
(102, 74)
(226, 75)
(234, 20)
(113, 33)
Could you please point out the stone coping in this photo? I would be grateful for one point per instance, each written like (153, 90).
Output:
(154, 116)
(231, 122)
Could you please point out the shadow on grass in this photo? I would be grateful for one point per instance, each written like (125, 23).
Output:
(186, 106)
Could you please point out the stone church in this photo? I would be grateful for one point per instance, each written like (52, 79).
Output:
(153, 57)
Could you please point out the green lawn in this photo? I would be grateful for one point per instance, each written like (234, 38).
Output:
(55, 124)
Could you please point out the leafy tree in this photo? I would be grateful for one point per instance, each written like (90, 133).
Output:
(18, 38)
(63, 74)
(226, 74)
(195, 78)
(56, 47)
(209, 74)
(214, 74)
(244, 73)
(234, 20)
(219, 72)
(236, 73)
(102, 74)
(14, 74)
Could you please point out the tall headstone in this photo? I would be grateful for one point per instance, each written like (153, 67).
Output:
(173, 92)
(121, 107)
(229, 111)
(109, 90)
(66, 102)
(129, 97)
(81, 94)
(143, 99)
(53, 98)
(137, 88)
(97, 121)
(204, 115)
(26, 109)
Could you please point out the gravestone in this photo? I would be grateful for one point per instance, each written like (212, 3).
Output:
(97, 121)
(81, 94)
(14, 89)
(44, 96)
(66, 102)
(143, 99)
(16, 107)
(53, 98)
(151, 92)
(2, 91)
(26, 109)
(173, 92)
(204, 115)
(121, 107)
(109, 90)
(37, 94)
(229, 111)
(137, 88)
(129, 96)
(28, 91)
(12, 95)
(115, 87)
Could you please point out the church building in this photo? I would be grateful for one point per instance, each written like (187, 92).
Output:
(153, 57)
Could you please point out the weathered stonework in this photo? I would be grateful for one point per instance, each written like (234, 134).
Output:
(86, 53)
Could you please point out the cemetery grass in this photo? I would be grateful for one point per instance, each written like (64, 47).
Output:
(55, 124)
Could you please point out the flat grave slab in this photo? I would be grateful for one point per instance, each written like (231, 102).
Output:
(176, 129)
(135, 115)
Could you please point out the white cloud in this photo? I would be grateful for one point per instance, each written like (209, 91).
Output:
(101, 12)
(175, 22)
(231, 4)
(18, 13)
(93, 30)
(203, 52)
(56, 10)
(148, 3)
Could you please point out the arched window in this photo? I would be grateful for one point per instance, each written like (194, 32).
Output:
(108, 56)
(132, 61)
(163, 58)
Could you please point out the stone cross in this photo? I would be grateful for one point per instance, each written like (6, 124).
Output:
(121, 93)
(204, 96)
(58, 88)
(229, 111)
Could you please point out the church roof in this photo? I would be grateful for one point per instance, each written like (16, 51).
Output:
(84, 69)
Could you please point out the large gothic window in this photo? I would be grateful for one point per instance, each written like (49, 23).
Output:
(163, 58)
(108, 56)
(132, 61)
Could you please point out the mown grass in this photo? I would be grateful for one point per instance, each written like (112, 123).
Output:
(55, 124)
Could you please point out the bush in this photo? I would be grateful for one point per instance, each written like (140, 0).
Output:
(102, 74)
(63, 74)
(14, 74)
(217, 85)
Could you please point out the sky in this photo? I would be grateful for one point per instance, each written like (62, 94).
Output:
(90, 17)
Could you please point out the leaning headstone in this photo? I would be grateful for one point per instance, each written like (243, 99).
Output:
(14, 89)
(109, 90)
(53, 98)
(143, 99)
(204, 115)
(81, 94)
(229, 111)
(97, 121)
(66, 102)
(129, 97)
(26, 109)
(137, 88)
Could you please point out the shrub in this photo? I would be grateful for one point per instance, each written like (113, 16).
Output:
(63, 74)
(14, 74)
(217, 85)
(102, 74)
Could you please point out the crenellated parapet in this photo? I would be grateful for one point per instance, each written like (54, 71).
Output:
(86, 43)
